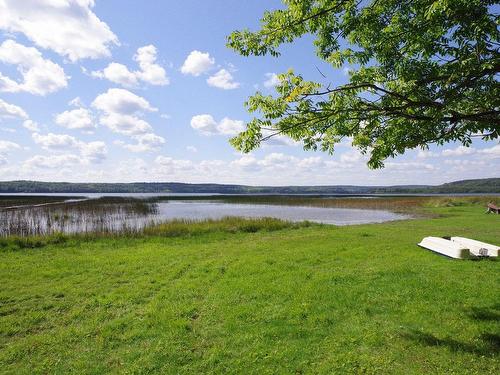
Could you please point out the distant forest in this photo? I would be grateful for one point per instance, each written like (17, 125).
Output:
(486, 185)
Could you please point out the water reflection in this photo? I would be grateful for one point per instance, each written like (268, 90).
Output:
(118, 214)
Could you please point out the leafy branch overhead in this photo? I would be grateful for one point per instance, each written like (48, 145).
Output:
(425, 72)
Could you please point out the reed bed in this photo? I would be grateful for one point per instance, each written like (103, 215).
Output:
(114, 214)
(7, 201)
(174, 228)
(399, 204)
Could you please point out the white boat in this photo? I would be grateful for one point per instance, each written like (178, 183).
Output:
(477, 248)
(446, 247)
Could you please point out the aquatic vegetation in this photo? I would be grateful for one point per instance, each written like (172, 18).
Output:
(109, 214)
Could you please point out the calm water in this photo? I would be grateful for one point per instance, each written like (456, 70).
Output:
(199, 210)
(111, 214)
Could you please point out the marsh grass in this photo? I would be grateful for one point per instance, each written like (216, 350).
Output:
(27, 200)
(109, 214)
(400, 204)
(174, 228)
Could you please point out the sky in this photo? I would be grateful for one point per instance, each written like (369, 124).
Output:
(124, 91)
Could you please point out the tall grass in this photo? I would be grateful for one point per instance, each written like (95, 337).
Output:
(406, 204)
(113, 214)
(174, 228)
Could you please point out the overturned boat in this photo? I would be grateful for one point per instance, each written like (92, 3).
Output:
(477, 248)
(446, 247)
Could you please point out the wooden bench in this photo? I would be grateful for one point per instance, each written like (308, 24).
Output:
(493, 209)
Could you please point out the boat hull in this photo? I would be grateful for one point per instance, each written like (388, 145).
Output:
(477, 248)
(446, 247)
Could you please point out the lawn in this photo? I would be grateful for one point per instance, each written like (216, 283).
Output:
(314, 299)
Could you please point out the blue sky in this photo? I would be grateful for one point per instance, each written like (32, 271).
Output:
(118, 90)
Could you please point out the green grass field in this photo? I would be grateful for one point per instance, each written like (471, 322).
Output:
(314, 299)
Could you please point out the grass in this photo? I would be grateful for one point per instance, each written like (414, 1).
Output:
(225, 298)
(403, 204)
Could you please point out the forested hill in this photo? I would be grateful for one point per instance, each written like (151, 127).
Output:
(488, 185)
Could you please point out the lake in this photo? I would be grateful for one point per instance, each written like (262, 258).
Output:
(199, 210)
(50, 213)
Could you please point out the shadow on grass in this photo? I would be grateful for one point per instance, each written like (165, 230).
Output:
(489, 314)
(487, 344)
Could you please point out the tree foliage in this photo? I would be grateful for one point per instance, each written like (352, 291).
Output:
(423, 72)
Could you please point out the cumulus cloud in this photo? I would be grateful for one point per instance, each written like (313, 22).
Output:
(197, 63)
(80, 118)
(52, 161)
(121, 101)
(493, 152)
(121, 111)
(53, 141)
(271, 80)
(68, 27)
(8, 146)
(125, 124)
(40, 76)
(31, 125)
(169, 164)
(424, 154)
(459, 151)
(94, 152)
(150, 72)
(11, 111)
(206, 125)
(223, 80)
(145, 142)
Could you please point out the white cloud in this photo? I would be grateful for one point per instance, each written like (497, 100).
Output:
(459, 151)
(40, 76)
(11, 111)
(122, 111)
(117, 73)
(52, 161)
(95, 151)
(121, 101)
(170, 165)
(408, 166)
(206, 125)
(191, 149)
(125, 124)
(271, 80)
(145, 142)
(424, 154)
(31, 125)
(76, 102)
(197, 63)
(351, 157)
(223, 80)
(8, 146)
(68, 27)
(150, 72)
(53, 141)
(80, 118)
(493, 152)
(228, 126)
